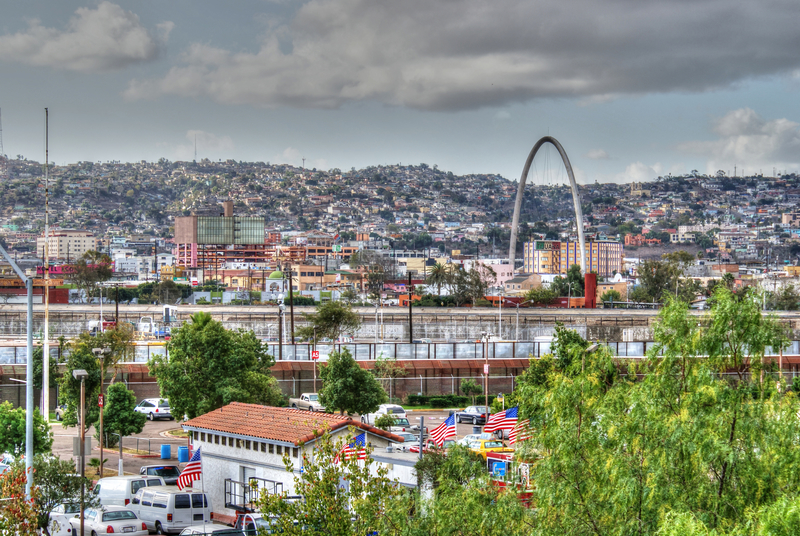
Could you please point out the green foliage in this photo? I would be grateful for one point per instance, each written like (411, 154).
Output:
(90, 270)
(346, 387)
(56, 481)
(118, 341)
(331, 320)
(471, 388)
(459, 466)
(210, 366)
(384, 422)
(541, 296)
(674, 447)
(571, 285)
(12, 430)
(452, 401)
(611, 295)
(119, 416)
(18, 515)
(329, 508)
(666, 277)
(38, 368)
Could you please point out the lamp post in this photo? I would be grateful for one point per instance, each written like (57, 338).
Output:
(81, 374)
(500, 315)
(100, 354)
(281, 309)
(485, 338)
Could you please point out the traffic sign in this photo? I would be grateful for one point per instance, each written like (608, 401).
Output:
(315, 354)
(100, 400)
(336, 248)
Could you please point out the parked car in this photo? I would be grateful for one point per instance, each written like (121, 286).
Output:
(109, 520)
(155, 408)
(169, 473)
(465, 441)
(430, 444)
(58, 524)
(166, 509)
(474, 414)
(384, 409)
(120, 490)
(482, 446)
(309, 401)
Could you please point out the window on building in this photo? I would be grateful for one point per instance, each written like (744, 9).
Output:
(247, 445)
(216, 439)
(263, 447)
(271, 448)
(279, 450)
(294, 452)
(202, 436)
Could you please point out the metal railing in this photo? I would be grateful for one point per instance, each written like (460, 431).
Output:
(244, 496)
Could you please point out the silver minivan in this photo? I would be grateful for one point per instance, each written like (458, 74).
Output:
(166, 509)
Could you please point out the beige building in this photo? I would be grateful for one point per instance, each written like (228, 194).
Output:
(791, 218)
(67, 244)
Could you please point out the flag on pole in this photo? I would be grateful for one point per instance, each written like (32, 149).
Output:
(446, 430)
(357, 449)
(520, 432)
(336, 237)
(505, 420)
(193, 471)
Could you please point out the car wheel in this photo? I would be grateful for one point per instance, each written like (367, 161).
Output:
(310, 408)
(159, 528)
(94, 533)
(150, 416)
(172, 418)
(294, 406)
(58, 417)
(474, 421)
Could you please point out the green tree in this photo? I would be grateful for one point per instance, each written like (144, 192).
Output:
(209, 366)
(331, 320)
(119, 414)
(471, 388)
(438, 277)
(348, 388)
(541, 296)
(359, 507)
(387, 370)
(571, 285)
(18, 515)
(617, 453)
(611, 295)
(56, 482)
(91, 269)
(12, 430)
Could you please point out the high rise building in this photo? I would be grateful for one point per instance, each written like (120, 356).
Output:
(553, 257)
(66, 244)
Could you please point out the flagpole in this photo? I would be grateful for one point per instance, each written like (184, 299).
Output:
(203, 488)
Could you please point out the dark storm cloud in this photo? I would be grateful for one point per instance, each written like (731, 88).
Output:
(465, 54)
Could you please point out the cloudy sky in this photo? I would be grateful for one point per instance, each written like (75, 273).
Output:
(633, 89)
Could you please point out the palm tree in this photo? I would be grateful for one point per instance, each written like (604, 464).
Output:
(439, 276)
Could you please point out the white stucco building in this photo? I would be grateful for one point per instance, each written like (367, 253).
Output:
(243, 443)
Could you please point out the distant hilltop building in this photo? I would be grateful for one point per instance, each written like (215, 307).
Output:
(791, 219)
(553, 257)
(638, 190)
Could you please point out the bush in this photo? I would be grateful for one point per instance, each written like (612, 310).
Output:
(438, 402)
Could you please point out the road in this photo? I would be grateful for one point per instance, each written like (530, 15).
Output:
(155, 431)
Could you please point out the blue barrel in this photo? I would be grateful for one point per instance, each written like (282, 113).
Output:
(183, 454)
(166, 452)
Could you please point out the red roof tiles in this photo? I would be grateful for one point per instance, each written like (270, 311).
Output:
(277, 424)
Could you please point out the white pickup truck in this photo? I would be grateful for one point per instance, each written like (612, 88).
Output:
(401, 423)
(309, 401)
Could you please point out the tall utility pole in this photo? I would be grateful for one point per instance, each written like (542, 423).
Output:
(410, 319)
(46, 338)
(3, 160)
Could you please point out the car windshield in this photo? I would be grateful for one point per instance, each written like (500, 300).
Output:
(163, 403)
(313, 398)
(72, 508)
(448, 443)
(408, 437)
(118, 515)
(401, 422)
(395, 409)
(492, 444)
(164, 471)
(480, 409)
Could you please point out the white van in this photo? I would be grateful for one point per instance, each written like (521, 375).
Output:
(119, 490)
(166, 509)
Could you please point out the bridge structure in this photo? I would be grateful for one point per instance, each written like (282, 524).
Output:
(576, 198)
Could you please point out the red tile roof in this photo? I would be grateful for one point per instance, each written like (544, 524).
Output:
(277, 424)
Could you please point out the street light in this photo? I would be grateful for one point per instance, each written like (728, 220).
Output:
(81, 374)
(281, 309)
(100, 354)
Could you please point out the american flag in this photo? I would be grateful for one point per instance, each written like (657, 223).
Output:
(193, 471)
(446, 430)
(356, 449)
(505, 420)
(520, 432)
